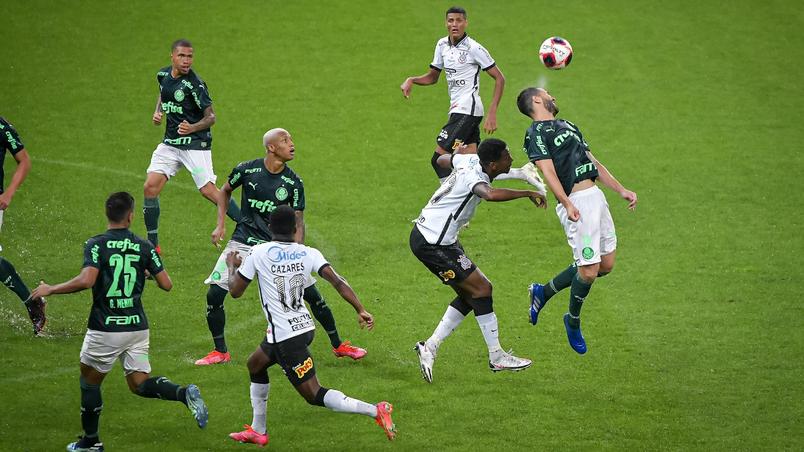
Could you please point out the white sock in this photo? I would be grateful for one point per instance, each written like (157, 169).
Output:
(513, 173)
(337, 401)
(490, 330)
(451, 319)
(259, 400)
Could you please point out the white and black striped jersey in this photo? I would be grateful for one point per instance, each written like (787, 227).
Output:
(283, 270)
(461, 64)
(454, 203)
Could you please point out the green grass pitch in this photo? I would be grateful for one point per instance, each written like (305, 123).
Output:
(695, 340)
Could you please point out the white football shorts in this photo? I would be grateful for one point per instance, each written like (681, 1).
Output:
(102, 348)
(220, 274)
(168, 160)
(593, 235)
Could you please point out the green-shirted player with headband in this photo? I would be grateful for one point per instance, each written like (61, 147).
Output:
(266, 183)
(185, 104)
(10, 141)
(115, 263)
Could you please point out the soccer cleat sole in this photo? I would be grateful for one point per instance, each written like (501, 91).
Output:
(385, 422)
(509, 369)
(197, 406)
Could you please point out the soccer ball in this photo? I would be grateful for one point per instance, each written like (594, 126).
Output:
(555, 53)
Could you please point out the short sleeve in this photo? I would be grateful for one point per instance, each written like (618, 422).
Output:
(317, 260)
(91, 254)
(153, 260)
(298, 196)
(201, 95)
(438, 59)
(236, 176)
(536, 145)
(9, 138)
(482, 57)
(468, 166)
(247, 269)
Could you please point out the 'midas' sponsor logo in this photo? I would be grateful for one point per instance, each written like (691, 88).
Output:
(279, 254)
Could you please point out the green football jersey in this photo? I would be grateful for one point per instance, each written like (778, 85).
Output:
(184, 98)
(121, 258)
(9, 141)
(562, 142)
(262, 193)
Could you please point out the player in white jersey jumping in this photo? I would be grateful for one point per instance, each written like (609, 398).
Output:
(283, 269)
(434, 241)
(462, 58)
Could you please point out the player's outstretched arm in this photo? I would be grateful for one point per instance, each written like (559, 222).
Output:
(20, 173)
(490, 125)
(347, 293)
(237, 284)
(300, 227)
(489, 193)
(223, 198)
(549, 171)
(610, 181)
(84, 280)
(428, 78)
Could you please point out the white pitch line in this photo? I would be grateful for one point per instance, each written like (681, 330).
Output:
(98, 168)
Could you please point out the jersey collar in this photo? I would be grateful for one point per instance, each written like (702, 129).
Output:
(463, 38)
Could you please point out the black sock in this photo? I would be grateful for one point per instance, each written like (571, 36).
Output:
(150, 210)
(482, 306)
(578, 292)
(461, 306)
(162, 388)
(440, 172)
(11, 279)
(233, 211)
(91, 406)
(322, 313)
(560, 282)
(216, 316)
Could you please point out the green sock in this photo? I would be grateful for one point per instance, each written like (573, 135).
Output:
(233, 211)
(150, 210)
(91, 406)
(216, 316)
(11, 279)
(578, 292)
(560, 282)
(322, 313)
(162, 388)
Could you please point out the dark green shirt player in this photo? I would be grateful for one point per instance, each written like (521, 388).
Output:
(115, 263)
(11, 142)
(265, 184)
(185, 106)
(558, 148)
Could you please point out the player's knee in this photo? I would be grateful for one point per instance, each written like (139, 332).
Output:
(605, 269)
(588, 273)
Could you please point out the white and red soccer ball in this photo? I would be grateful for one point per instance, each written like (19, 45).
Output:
(555, 53)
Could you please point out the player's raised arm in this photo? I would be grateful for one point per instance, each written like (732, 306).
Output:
(347, 293)
(428, 78)
(489, 193)
(610, 181)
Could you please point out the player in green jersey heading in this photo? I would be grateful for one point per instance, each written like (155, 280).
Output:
(10, 141)
(115, 263)
(570, 170)
(185, 103)
(266, 183)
